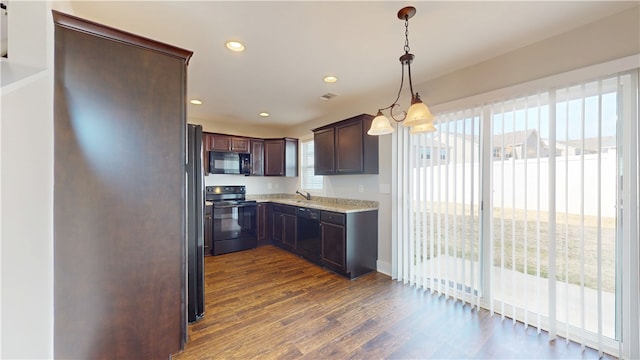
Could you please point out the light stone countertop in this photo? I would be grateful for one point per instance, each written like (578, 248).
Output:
(318, 202)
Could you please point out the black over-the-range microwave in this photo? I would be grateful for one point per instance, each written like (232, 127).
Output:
(229, 163)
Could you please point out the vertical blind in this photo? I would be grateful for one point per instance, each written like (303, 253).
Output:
(515, 206)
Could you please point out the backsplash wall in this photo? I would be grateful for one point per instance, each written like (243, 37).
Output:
(255, 184)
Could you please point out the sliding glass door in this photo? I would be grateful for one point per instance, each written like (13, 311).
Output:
(516, 206)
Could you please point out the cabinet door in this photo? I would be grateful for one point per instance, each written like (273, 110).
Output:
(348, 145)
(291, 157)
(220, 142)
(289, 236)
(333, 246)
(278, 227)
(240, 145)
(274, 157)
(323, 152)
(257, 157)
(262, 223)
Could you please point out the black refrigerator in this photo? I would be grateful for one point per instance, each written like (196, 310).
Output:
(195, 226)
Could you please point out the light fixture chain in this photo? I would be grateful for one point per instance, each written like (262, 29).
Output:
(406, 34)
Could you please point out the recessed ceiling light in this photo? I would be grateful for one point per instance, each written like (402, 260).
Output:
(196, 102)
(330, 79)
(264, 114)
(235, 46)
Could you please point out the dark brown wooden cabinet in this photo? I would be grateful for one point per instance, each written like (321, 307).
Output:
(119, 190)
(208, 229)
(240, 145)
(269, 157)
(281, 157)
(333, 240)
(323, 150)
(257, 157)
(284, 226)
(344, 148)
(349, 242)
(219, 142)
(264, 223)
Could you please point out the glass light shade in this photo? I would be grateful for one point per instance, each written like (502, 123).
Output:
(418, 114)
(380, 125)
(423, 128)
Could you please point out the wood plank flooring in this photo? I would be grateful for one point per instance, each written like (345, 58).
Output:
(269, 304)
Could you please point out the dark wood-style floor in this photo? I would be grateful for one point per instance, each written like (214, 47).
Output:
(269, 304)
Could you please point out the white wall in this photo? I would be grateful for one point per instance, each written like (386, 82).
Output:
(27, 221)
(256, 184)
(611, 38)
(26, 188)
(257, 131)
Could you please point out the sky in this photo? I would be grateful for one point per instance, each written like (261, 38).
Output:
(595, 116)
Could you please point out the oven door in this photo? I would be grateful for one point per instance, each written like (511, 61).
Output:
(234, 228)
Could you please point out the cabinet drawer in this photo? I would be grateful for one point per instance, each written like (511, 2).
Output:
(332, 217)
(285, 209)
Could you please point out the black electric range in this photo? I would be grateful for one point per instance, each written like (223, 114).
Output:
(234, 219)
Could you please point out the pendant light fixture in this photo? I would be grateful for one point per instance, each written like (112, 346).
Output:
(418, 117)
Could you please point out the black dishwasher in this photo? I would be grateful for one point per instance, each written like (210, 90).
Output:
(308, 236)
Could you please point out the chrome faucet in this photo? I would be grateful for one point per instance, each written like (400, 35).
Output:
(306, 196)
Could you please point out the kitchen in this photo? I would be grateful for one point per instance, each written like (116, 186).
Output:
(39, 144)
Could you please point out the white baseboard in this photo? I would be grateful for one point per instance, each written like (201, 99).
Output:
(383, 267)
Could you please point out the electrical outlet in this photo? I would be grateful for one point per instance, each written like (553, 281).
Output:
(360, 188)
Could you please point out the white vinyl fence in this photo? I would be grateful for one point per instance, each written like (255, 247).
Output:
(515, 169)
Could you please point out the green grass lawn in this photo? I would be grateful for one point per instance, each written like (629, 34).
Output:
(518, 228)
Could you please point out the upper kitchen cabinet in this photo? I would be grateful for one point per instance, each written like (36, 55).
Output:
(119, 247)
(281, 157)
(344, 148)
(323, 150)
(257, 157)
(229, 143)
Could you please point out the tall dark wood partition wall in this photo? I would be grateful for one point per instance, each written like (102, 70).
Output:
(119, 190)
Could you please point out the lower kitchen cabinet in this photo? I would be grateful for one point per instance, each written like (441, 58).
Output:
(333, 241)
(284, 226)
(208, 229)
(264, 223)
(349, 242)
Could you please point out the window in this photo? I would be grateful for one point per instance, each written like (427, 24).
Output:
(308, 181)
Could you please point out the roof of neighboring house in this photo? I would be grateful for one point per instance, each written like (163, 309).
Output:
(513, 138)
(510, 138)
(590, 144)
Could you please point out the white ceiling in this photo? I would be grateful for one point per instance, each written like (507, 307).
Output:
(291, 46)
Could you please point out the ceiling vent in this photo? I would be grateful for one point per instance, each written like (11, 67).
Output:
(328, 96)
